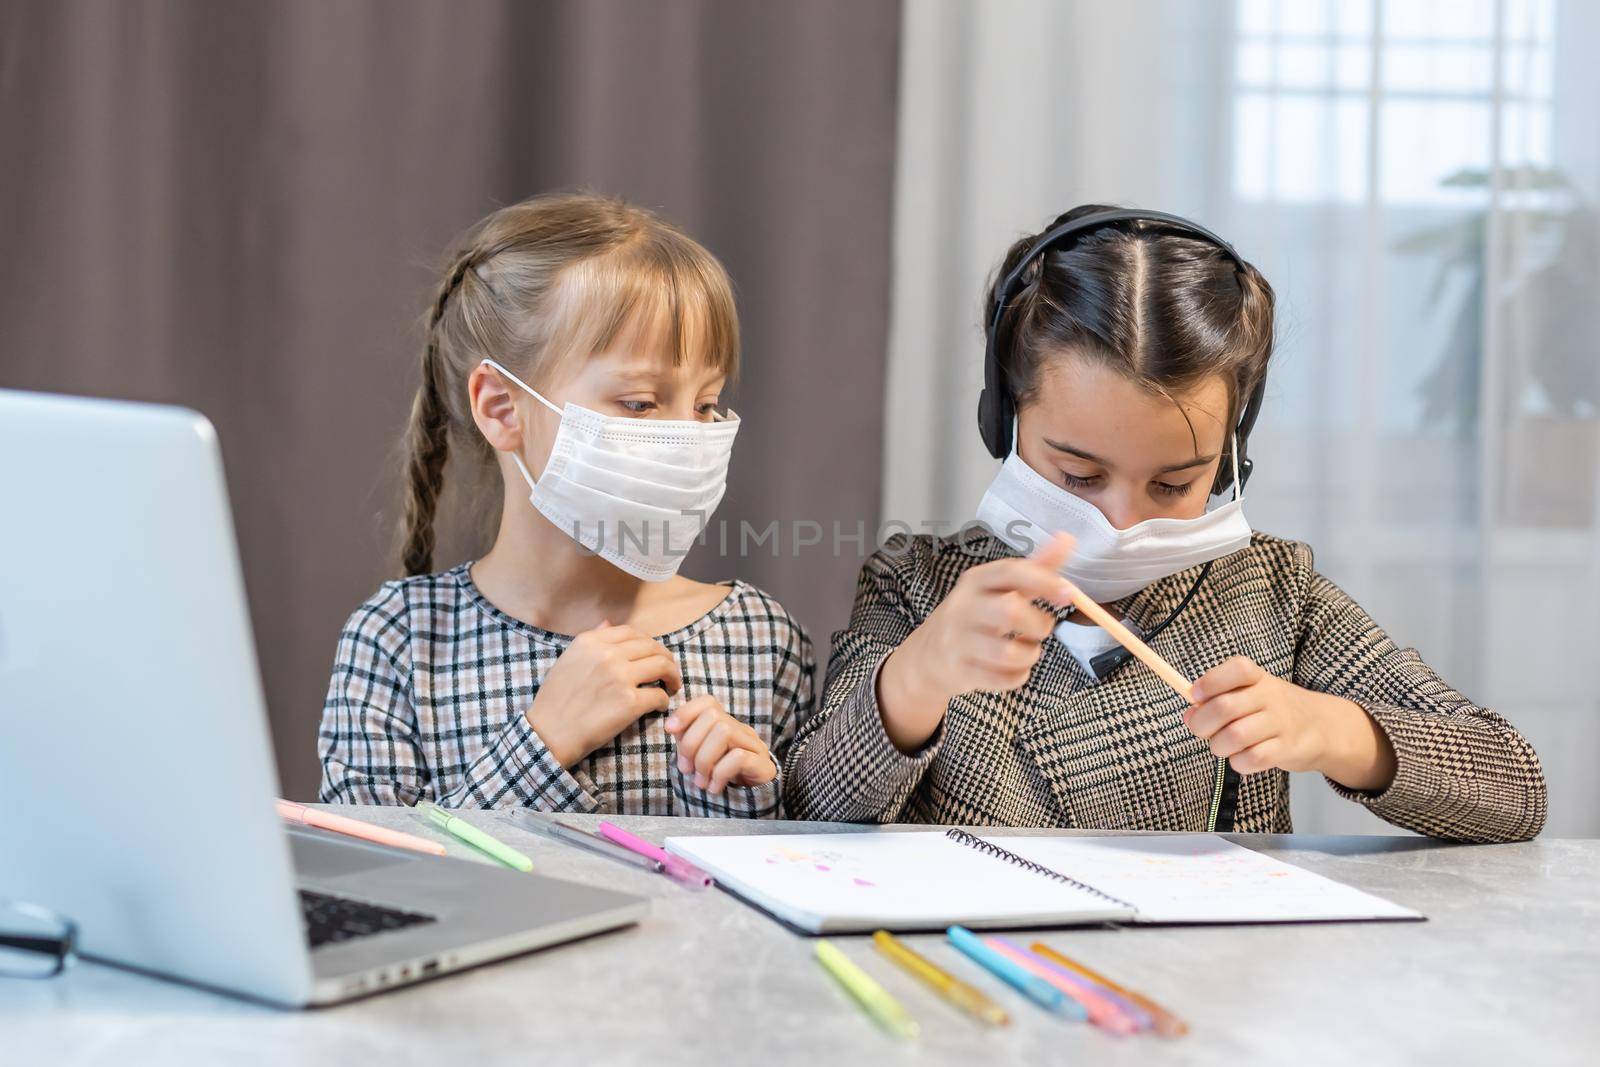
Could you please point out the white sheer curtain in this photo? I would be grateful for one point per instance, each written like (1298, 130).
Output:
(1418, 179)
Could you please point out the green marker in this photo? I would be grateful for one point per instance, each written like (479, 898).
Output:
(875, 1000)
(462, 830)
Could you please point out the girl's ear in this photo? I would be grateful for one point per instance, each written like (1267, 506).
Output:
(494, 409)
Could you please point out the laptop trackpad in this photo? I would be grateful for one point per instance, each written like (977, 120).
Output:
(319, 857)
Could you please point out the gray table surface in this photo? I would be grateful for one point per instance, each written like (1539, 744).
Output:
(1506, 969)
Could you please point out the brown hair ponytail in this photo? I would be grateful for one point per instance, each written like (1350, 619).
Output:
(534, 282)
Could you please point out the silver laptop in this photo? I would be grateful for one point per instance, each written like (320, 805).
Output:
(136, 770)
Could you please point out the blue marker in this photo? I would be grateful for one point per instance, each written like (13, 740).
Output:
(1031, 986)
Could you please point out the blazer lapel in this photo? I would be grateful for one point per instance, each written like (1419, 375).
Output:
(1116, 753)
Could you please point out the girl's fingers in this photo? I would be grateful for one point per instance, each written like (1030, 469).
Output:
(1037, 626)
(1028, 577)
(1258, 758)
(1056, 551)
(638, 648)
(690, 710)
(1002, 653)
(1010, 614)
(694, 735)
(648, 698)
(1242, 733)
(729, 767)
(1205, 719)
(712, 749)
(1230, 674)
(660, 667)
(743, 766)
(992, 679)
(613, 634)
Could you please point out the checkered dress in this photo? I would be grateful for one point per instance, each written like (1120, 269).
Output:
(431, 682)
(1065, 750)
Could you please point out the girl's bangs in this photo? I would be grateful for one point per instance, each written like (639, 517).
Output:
(633, 298)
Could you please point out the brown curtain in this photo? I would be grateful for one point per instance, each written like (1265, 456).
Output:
(238, 206)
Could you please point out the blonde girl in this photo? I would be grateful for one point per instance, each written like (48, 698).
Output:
(578, 347)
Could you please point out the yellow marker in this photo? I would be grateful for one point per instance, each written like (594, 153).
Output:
(872, 997)
(948, 986)
(1166, 1023)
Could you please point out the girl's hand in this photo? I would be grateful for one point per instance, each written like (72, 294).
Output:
(601, 683)
(719, 749)
(986, 634)
(1259, 721)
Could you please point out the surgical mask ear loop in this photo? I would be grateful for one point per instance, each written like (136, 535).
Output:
(1233, 456)
(516, 457)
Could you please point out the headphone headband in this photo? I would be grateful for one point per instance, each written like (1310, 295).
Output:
(997, 407)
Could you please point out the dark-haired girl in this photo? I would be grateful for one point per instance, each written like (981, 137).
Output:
(1127, 356)
(577, 349)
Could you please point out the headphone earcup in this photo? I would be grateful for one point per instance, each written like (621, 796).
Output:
(988, 421)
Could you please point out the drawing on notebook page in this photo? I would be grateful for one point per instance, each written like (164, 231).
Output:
(820, 861)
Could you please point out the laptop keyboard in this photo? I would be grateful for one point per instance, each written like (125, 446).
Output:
(333, 919)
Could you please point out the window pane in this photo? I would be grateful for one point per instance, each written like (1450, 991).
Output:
(1425, 142)
(1355, 66)
(1530, 20)
(1353, 18)
(1253, 65)
(1256, 16)
(1439, 19)
(1311, 18)
(1300, 148)
(1439, 68)
(1308, 17)
(1527, 71)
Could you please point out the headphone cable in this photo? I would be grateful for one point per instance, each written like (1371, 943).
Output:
(1108, 661)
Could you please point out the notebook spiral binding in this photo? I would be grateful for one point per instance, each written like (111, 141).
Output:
(961, 837)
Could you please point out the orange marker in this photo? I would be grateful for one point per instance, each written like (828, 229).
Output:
(1166, 1023)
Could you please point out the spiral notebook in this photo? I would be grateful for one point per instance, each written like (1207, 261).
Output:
(837, 883)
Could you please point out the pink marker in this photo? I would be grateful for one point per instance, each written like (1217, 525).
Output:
(1103, 1010)
(678, 868)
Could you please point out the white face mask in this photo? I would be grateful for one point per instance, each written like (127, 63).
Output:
(1023, 509)
(636, 492)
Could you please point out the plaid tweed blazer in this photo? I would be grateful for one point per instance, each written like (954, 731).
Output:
(1066, 750)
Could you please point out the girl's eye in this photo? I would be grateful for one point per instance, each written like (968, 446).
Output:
(708, 409)
(1074, 482)
(1168, 489)
(638, 407)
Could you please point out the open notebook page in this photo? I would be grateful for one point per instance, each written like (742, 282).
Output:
(899, 881)
(1198, 878)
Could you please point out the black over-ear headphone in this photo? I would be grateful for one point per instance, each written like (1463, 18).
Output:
(997, 409)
